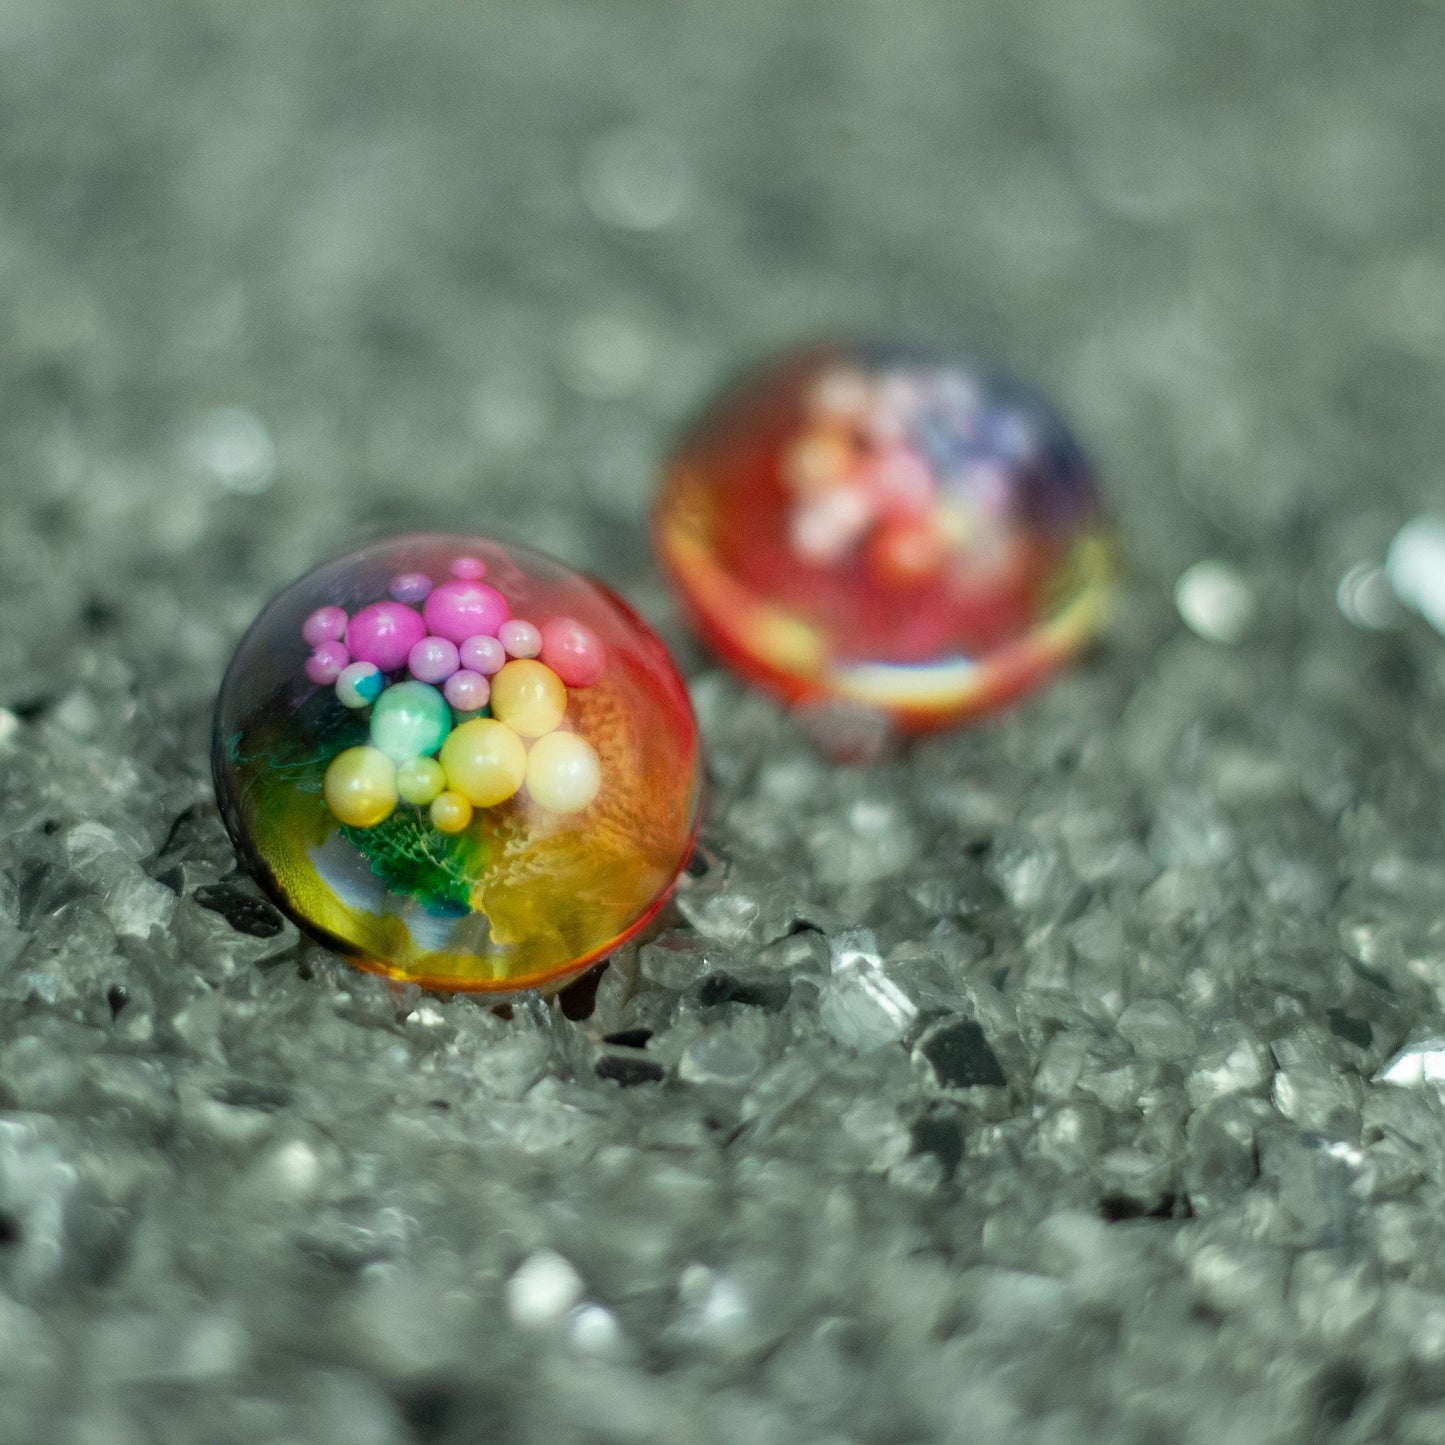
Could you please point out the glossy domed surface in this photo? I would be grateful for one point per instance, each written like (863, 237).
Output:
(459, 762)
(889, 530)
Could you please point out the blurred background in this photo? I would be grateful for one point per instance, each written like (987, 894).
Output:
(285, 275)
(275, 278)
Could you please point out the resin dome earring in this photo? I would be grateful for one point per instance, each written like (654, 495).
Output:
(883, 531)
(458, 762)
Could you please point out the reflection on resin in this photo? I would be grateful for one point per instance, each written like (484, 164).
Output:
(888, 530)
(461, 763)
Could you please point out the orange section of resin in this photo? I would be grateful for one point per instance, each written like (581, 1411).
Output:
(886, 530)
(458, 762)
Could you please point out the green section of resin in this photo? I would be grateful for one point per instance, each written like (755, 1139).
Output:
(413, 858)
(284, 761)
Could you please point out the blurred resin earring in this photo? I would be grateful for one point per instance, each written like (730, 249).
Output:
(458, 762)
(885, 537)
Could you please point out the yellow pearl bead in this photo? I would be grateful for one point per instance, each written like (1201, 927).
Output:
(563, 772)
(450, 812)
(484, 761)
(420, 780)
(529, 697)
(360, 787)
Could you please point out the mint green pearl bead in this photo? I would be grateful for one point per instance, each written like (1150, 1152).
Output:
(410, 720)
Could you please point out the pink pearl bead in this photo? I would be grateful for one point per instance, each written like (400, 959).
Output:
(483, 654)
(469, 569)
(462, 609)
(433, 660)
(413, 587)
(385, 634)
(326, 624)
(520, 638)
(327, 663)
(574, 652)
(467, 691)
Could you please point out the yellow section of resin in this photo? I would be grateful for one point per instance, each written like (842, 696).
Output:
(559, 890)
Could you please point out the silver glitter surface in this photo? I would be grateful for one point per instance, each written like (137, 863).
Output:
(1077, 1077)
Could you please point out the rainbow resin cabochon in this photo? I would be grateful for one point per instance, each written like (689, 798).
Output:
(459, 762)
(888, 530)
